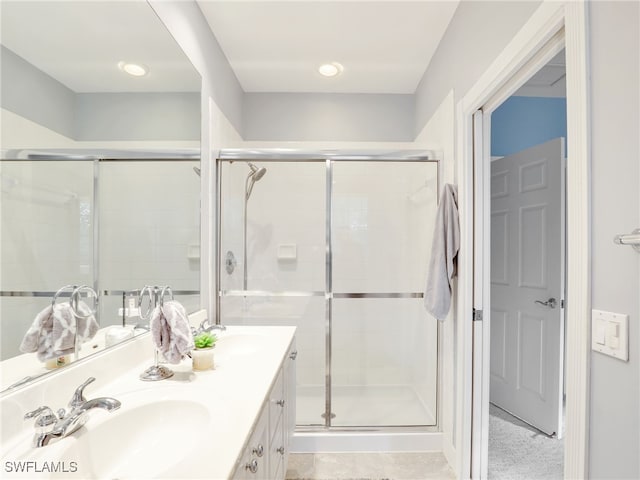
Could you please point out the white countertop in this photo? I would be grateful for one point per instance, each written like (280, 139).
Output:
(247, 360)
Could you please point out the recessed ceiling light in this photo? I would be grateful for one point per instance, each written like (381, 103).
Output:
(330, 69)
(135, 69)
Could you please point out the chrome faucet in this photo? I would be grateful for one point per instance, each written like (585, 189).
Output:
(51, 427)
(205, 326)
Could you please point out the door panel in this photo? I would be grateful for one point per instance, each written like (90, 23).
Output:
(527, 261)
(498, 345)
(532, 254)
(531, 353)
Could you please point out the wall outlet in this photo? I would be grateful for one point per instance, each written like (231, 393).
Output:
(610, 334)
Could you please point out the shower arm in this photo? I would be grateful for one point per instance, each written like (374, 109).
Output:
(255, 175)
(244, 230)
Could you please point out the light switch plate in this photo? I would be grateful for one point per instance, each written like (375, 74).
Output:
(610, 333)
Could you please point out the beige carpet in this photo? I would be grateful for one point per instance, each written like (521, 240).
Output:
(518, 451)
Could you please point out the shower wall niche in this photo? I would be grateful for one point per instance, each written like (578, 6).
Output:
(338, 248)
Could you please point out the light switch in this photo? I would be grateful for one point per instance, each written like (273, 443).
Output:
(599, 333)
(613, 335)
(609, 334)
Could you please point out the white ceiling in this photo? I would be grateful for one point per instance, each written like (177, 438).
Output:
(273, 46)
(549, 81)
(79, 43)
(277, 46)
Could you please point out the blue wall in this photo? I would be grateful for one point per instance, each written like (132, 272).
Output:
(523, 122)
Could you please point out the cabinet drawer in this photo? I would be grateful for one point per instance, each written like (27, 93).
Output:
(277, 401)
(277, 449)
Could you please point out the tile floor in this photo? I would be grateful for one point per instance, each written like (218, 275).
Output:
(369, 466)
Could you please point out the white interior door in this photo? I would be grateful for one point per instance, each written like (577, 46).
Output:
(527, 264)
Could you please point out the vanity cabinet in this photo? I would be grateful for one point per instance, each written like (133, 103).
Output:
(254, 462)
(266, 453)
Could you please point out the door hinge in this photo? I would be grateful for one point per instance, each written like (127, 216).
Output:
(477, 315)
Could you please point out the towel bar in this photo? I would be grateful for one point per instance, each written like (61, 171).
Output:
(632, 239)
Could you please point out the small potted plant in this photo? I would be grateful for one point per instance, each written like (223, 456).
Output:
(202, 355)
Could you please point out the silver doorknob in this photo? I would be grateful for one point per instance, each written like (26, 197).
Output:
(551, 303)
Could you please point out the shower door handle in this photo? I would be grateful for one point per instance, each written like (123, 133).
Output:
(551, 303)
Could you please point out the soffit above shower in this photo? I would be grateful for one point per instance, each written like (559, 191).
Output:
(277, 46)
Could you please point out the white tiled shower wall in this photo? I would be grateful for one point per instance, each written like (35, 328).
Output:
(383, 217)
(149, 229)
(148, 220)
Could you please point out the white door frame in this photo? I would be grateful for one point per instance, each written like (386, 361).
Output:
(552, 22)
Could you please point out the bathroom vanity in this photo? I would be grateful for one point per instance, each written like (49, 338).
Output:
(235, 421)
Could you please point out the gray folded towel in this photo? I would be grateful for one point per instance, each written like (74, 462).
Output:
(444, 253)
(52, 333)
(38, 337)
(170, 331)
(66, 325)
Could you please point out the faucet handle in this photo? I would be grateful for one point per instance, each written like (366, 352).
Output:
(44, 415)
(78, 396)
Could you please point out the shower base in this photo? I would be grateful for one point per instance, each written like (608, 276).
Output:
(363, 406)
(372, 418)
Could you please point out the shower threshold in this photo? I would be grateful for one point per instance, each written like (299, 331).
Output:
(354, 406)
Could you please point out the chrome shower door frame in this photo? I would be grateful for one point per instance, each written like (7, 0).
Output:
(329, 160)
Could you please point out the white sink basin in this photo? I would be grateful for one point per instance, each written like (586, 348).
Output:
(145, 438)
(147, 441)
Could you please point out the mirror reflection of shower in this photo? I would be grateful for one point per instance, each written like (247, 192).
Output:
(254, 175)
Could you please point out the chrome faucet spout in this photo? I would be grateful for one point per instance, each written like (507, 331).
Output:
(43, 439)
(106, 403)
(68, 421)
(205, 326)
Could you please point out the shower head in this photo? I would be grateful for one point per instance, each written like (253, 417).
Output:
(254, 175)
(197, 170)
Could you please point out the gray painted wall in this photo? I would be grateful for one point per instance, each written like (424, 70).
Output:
(137, 116)
(328, 117)
(34, 95)
(283, 117)
(478, 32)
(615, 86)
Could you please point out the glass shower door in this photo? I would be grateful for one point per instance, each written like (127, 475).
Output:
(384, 345)
(339, 249)
(46, 213)
(285, 233)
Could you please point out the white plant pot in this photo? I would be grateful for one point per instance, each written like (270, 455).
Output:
(202, 358)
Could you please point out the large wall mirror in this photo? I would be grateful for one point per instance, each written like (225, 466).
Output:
(100, 160)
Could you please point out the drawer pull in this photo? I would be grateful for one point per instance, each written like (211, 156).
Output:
(281, 403)
(293, 355)
(280, 450)
(252, 466)
(258, 451)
